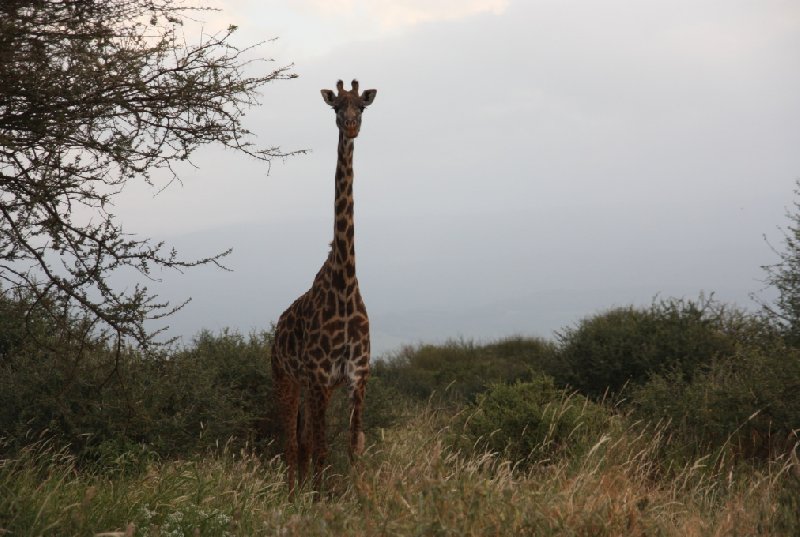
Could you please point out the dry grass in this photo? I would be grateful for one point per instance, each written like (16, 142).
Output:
(408, 483)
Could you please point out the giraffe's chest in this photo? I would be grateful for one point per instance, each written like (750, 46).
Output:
(336, 338)
(330, 308)
(338, 326)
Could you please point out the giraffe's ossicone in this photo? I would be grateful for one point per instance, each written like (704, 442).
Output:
(322, 339)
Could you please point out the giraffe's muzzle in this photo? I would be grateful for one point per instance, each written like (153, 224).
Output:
(351, 128)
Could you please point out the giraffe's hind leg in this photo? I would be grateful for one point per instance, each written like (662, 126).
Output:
(319, 398)
(287, 393)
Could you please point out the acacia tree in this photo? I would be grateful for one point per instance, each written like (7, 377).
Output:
(784, 277)
(94, 94)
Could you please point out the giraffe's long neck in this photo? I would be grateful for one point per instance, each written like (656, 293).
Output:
(344, 254)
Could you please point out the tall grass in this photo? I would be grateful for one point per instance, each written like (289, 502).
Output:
(410, 481)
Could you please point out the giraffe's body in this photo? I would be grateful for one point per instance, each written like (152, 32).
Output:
(322, 339)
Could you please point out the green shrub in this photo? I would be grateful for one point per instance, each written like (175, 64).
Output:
(216, 390)
(627, 345)
(173, 404)
(60, 383)
(49, 370)
(745, 405)
(458, 370)
(64, 382)
(533, 421)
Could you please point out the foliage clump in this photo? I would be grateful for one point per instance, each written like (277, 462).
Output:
(534, 421)
(457, 371)
(103, 403)
(744, 405)
(627, 345)
(783, 277)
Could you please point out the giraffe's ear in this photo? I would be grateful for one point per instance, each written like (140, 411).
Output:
(328, 96)
(368, 96)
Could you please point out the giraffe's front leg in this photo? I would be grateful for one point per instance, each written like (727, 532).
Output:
(288, 395)
(304, 433)
(357, 393)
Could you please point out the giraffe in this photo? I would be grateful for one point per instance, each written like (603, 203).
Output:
(322, 339)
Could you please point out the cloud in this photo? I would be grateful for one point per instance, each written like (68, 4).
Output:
(396, 14)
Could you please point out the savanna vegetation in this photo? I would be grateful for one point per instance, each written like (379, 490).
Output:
(680, 418)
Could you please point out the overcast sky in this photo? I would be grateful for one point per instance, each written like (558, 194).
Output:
(525, 163)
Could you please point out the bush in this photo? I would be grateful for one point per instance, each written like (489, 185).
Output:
(627, 345)
(459, 370)
(534, 421)
(745, 405)
(217, 389)
(58, 382)
(49, 368)
(172, 404)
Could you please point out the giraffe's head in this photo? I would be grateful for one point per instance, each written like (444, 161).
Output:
(348, 106)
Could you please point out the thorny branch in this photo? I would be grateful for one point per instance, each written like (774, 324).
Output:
(93, 94)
